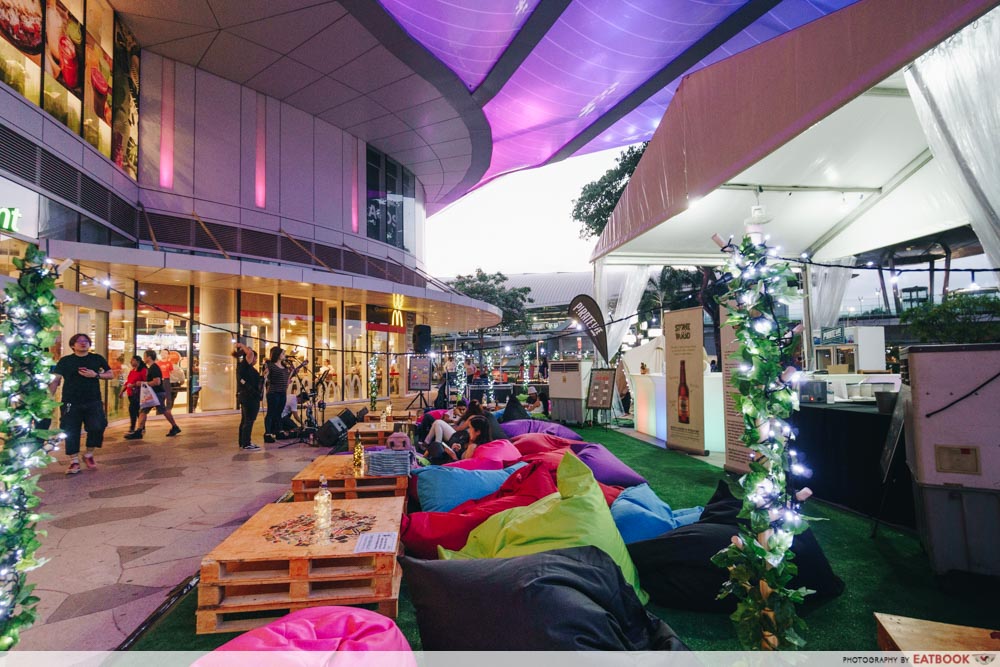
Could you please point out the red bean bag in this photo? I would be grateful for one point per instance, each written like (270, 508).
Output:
(422, 532)
(532, 443)
(326, 629)
(551, 460)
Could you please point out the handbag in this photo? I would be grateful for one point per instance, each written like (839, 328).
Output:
(147, 397)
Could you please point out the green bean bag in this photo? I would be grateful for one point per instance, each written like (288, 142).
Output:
(576, 516)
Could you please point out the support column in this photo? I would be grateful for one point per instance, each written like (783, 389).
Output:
(216, 366)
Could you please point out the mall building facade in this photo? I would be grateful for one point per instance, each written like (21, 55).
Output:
(221, 212)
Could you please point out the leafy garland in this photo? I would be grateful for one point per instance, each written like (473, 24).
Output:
(373, 381)
(525, 372)
(29, 328)
(488, 362)
(460, 373)
(759, 559)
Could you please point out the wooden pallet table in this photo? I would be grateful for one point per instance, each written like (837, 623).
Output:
(371, 434)
(900, 633)
(274, 564)
(402, 416)
(343, 482)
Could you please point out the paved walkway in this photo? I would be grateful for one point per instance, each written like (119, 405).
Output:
(123, 536)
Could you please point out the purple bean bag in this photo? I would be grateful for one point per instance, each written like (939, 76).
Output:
(522, 426)
(607, 468)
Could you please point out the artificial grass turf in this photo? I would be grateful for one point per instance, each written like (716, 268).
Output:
(889, 574)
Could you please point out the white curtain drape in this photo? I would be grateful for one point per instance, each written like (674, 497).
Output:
(628, 302)
(955, 90)
(827, 286)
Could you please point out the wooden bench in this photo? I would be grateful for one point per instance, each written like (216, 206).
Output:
(899, 633)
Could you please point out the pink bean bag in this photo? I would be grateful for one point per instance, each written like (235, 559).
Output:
(533, 443)
(498, 450)
(325, 629)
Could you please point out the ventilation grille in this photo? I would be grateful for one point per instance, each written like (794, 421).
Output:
(259, 244)
(19, 156)
(227, 237)
(354, 263)
(394, 272)
(59, 178)
(168, 229)
(94, 197)
(329, 256)
(290, 252)
(123, 215)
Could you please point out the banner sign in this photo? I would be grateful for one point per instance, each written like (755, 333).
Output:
(588, 313)
(420, 374)
(683, 331)
(738, 455)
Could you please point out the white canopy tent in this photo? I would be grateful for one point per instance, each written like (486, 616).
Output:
(816, 126)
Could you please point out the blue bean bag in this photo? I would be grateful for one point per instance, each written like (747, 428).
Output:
(641, 515)
(441, 489)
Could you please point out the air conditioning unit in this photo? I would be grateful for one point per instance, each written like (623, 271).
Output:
(569, 382)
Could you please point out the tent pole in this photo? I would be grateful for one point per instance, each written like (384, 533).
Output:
(808, 363)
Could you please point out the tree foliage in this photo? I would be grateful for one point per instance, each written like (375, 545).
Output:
(598, 198)
(962, 318)
(675, 289)
(491, 288)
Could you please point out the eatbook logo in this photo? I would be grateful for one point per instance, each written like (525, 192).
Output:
(8, 218)
(985, 658)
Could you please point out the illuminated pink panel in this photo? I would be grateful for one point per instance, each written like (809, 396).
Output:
(354, 190)
(260, 154)
(466, 35)
(167, 126)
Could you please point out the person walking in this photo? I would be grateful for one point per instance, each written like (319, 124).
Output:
(248, 391)
(82, 372)
(135, 378)
(154, 378)
(277, 376)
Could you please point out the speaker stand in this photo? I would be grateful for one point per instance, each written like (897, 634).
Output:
(419, 400)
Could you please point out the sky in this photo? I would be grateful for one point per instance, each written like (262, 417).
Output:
(519, 223)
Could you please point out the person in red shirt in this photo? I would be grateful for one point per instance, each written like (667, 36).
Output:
(166, 368)
(136, 376)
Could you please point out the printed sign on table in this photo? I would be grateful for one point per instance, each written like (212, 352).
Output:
(683, 333)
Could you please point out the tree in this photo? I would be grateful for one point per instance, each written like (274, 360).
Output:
(675, 289)
(598, 198)
(491, 289)
(963, 318)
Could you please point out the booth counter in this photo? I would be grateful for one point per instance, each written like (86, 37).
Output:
(649, 404)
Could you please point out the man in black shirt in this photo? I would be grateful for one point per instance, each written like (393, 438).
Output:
(155, 379)
(82, 403)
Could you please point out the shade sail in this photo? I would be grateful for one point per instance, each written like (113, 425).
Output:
(819, 120)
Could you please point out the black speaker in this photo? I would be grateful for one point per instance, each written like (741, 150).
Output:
(360, 416)
(332, 432)
(347, 418)
(421, 339)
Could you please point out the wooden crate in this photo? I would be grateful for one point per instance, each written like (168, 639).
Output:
(343, 482)
(254, 576)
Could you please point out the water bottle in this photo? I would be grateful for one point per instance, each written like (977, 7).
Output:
(323, 505)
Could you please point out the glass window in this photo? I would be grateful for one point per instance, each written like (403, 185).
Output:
(393, 205)
(56, 221)
(295, 333)
(64, 61)
(375, 214)
(257, 316)
(355, 351)
(409, 212)
(162, 325)
(97, 80)
(328, 358)
(121, 347)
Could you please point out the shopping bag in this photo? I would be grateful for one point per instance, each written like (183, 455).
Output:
(147, 397)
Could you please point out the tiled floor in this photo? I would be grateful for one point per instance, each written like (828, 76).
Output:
(122, 536)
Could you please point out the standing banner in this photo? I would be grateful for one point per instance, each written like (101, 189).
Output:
(588, 313)
(420, 374)
(737, 454)
(683, 331)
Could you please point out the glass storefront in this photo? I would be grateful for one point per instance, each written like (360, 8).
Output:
(356, 353)
(329, 359)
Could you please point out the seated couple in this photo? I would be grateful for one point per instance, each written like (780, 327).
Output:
(445, 442)
(537, 403)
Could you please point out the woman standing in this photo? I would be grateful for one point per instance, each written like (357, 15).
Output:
(136, 377)
(277, 390)
(248, 391)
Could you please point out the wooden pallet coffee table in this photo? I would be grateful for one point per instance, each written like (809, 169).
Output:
(343, 482)
(371, 434)
(274, 564)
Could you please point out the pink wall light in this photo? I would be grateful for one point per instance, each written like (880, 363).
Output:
(260, 158)
(167, 126)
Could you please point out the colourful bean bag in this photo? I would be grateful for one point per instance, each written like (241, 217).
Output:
(641, 515)
(422, 532)
(608, 468)
(513, 411)
(498, 450)
(440, 489)
(326, 629)
(571, 599)
(482, 463)
(522, 426)
(532, 443)
(551, 461)
(577, 516)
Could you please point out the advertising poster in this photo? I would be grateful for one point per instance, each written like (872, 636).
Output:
(21, 46)
(737, 454)
(683, 333)
(97, 76)
(125, 101)
(420, 374)
(64, 61)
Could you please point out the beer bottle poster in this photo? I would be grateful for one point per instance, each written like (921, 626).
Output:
(683, 331)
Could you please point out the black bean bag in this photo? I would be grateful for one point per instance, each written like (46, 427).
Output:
(676, 568)
(513, 410)
(563, 600)
(496, 432)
